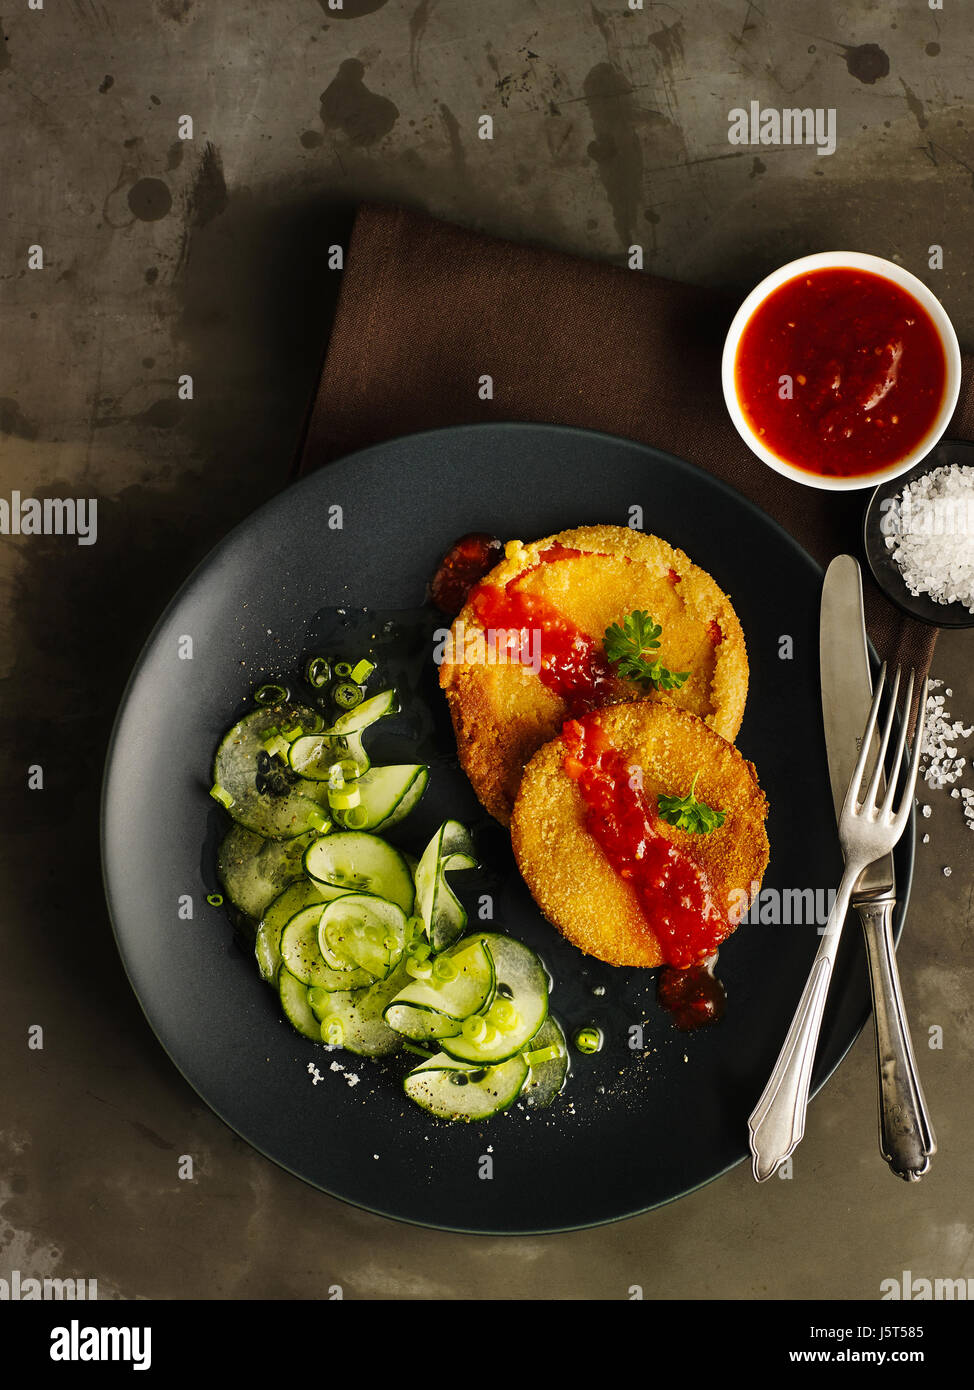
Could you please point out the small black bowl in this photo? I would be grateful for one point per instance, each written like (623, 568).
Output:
(885, 572)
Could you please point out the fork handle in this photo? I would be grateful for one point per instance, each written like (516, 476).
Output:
(777, 1122)
(906, 1137)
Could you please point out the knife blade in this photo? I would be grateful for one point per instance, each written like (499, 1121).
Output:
(847, 693)
(906, 1137)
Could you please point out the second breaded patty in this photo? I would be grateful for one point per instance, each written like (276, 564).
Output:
(502, 710)
(563, 856)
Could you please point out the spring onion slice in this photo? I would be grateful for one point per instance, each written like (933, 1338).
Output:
(346, 695)
(474, 1029)
(503, 1015)
(271, 694)
(318, 672)
(276, 745)
(588, 1039)
(362, 670)
(332, 1031)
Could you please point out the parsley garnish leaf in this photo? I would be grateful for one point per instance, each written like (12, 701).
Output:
(687, 813)
(631, 646)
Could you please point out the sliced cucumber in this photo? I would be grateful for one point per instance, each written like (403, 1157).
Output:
(465, 1092)
(362, 863)
(368, 712)
(254, 871)
(259, 790)
(359, 1014)
(294, 1002)
(436, 1008)
(336, 933)
(523, 984)
(350, 749)
(419, 1023)
(301, 956)
(363, 932)
(547, 1076)
(282, 909)
(387, 795)
(413, 794)
(313, 756)
(441, 910)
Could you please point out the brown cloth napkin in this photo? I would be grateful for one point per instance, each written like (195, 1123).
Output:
(426, 308)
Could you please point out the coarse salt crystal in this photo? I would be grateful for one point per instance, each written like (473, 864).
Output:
(939, 762)
(929, 532)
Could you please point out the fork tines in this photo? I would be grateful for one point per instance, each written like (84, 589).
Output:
(885, 811)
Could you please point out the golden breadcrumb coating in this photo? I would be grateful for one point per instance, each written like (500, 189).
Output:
(501, 711)
(572, 880)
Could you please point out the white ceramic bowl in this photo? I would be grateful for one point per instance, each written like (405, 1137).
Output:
(851, 260)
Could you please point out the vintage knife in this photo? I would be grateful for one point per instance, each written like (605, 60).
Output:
(906, 1138)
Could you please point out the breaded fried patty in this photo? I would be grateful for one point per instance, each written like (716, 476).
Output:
(571, 875)
(503, 711)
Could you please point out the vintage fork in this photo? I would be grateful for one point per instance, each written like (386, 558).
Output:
(867, 830)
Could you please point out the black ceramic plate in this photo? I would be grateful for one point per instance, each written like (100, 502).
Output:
(657, 1112)
(884, 570)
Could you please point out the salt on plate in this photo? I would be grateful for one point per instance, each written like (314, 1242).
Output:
(929, 531)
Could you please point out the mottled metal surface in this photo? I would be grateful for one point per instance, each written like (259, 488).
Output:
(208, 257)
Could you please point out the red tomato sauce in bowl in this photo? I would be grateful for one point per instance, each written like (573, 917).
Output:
(840, 372)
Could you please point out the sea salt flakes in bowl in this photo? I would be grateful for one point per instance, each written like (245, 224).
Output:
(919, 537)
(930, 535)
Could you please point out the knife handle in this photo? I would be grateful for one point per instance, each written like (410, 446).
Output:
(906, 1137)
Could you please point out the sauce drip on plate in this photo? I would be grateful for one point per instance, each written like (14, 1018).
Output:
(463, 566)
(572, 664)
(693, 997)
(674, 893)
(840, 372)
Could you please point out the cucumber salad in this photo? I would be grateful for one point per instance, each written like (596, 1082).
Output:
(367, 947)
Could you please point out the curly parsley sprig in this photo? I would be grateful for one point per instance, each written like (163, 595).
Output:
(687, 813)
(630, 647)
